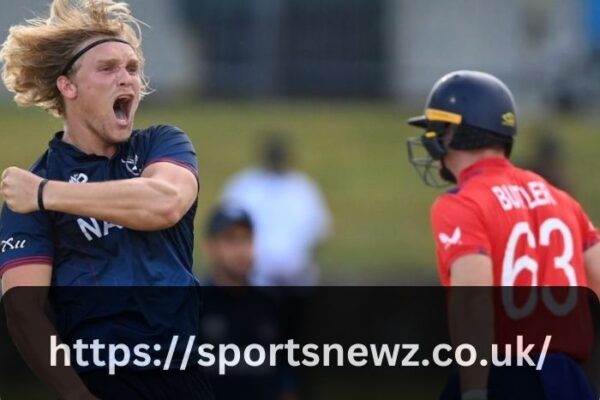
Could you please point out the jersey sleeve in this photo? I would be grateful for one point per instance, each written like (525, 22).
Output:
(24, 239)
(458, 230)
(170, 144)
(589, 232)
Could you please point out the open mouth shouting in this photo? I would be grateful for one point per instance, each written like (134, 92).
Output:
(122, 108)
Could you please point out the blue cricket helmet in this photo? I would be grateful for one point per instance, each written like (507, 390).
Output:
(471, 98)
(476, 107)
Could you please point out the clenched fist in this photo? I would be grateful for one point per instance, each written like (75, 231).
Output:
(19, 189)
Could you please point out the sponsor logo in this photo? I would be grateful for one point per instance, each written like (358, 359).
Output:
(131, 165)
(448, 241)
(78, 178)
(509, 119)
(12, 244)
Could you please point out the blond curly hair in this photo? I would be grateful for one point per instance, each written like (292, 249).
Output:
(35, 53)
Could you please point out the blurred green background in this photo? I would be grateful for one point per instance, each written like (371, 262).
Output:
(340, 77)
(354, 150)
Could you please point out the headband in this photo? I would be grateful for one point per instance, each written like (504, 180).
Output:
(88, 48)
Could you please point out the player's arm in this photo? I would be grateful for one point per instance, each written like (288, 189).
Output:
(463, 249)
(591, 249)
(471, 317)
(592, 264)
(156, 200)
(31, 329)
(472, 270)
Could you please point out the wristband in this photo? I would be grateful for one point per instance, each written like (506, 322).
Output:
(40, 195)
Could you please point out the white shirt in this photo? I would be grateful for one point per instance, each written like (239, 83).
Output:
(290, 218)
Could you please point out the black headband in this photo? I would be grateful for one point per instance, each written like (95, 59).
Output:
(88, 48)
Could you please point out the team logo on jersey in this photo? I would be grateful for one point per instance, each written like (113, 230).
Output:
(131, 165)
(78, 178)
(448, 241)
(11, 244)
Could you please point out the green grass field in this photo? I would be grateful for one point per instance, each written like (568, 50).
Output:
(354, 150)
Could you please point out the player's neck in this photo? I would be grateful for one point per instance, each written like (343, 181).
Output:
(457, 160)
(85, 139)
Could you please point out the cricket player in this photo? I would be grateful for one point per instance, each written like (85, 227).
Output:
(105, 205)
(500, 225)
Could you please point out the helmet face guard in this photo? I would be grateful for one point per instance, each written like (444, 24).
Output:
(426, 154)
(427, 168)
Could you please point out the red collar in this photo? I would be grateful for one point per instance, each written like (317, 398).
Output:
(481, 166)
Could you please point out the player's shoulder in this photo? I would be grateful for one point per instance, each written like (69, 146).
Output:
(527, 174)
(41, 165)
(535, 182)
(564, 199)
(155, 130)
(560, 195)
(452, 196)
(145, 139)
(454, 200)
(479, 187)
(463, 192)
(450, 211)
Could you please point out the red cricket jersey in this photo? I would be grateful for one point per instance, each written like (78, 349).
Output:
(534, 233)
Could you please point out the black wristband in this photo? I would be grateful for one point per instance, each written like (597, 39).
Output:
(41, 194)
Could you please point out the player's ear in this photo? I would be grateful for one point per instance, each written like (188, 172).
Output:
(66, 87)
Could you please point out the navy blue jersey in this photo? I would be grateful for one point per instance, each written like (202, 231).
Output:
(87, 252)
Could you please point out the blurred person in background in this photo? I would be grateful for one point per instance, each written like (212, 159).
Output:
(290, 216)
(548, 158)
(500, 226)
(237, 314)
(229, 246)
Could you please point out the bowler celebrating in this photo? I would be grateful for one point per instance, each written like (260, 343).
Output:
(105, 205)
